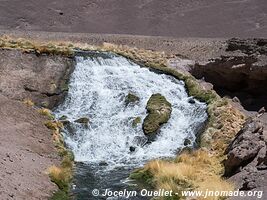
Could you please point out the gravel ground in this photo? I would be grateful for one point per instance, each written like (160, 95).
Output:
(172, 18)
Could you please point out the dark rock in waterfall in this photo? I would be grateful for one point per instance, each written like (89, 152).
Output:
(131, 99)
(187, 142)
(191, 100)
(82, 120)
(132, 149)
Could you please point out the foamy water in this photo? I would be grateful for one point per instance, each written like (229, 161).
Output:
(98, 87)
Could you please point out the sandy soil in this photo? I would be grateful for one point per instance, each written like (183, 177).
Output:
(26, 146)
(175, 18)
(26, 151)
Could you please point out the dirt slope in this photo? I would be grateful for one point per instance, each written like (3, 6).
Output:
(176, 18)
(26, 151)
(26, 146)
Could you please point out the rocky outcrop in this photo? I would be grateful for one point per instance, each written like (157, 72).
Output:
(249, 46)
(246, 162)
(159, 112)
(241, 71)
(27, 149)
(26, 152)
(245, 147)
(43, 79)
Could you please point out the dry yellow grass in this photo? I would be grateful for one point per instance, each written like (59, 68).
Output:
(53, 125)
(46, 112)
(197, 170)
(28, 102)
(42, 47)
(60, 175)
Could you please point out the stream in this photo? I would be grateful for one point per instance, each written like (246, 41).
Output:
(97, 90)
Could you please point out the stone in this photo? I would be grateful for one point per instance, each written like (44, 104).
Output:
(245, 147)
(187, 142)
(159, 111)
(132, 149)
(131, 99)
(103, 163)
(136, 121)
(82, 120)
(191, 101)
(63, 117)
(65, 122)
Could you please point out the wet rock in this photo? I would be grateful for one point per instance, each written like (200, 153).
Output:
(131, 99)
(63, 117)
(65, 122)
(132, 149)
(136, 121)
(191, 101)
(103, 163)
(187, 142)
(159, 111)
(82, 120)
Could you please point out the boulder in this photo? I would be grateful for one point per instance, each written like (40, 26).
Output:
(131, 99)
(136, 121)
(245, 147)
(159, 111)
(82, 120)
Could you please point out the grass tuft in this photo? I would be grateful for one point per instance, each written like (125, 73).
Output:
(28, 102)
(196, 170)
(46, 112)
(61, 175)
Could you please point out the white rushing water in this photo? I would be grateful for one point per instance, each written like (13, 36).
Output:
(98, 87)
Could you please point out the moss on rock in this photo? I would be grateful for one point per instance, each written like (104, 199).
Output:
(131, 99)
(136, 121)
(82, 120)
(159, 112)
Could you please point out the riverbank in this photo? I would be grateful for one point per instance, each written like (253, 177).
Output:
(29, 82)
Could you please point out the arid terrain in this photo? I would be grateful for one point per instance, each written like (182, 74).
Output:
(27, 148)
(195, 34)
(172, 18)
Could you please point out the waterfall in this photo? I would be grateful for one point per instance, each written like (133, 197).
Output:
(97, 90)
